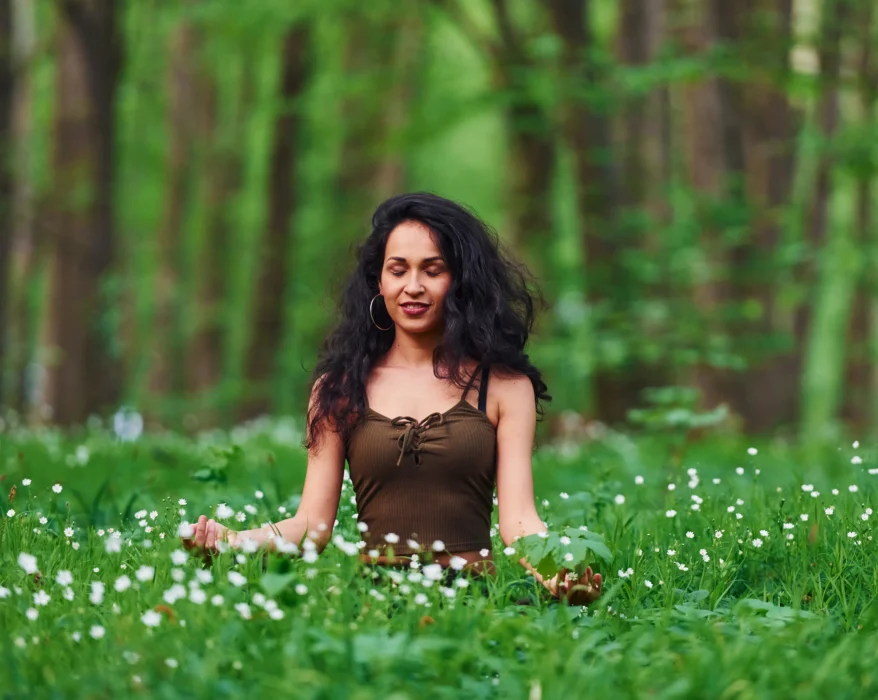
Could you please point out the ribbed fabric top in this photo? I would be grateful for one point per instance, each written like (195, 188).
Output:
(426, 480)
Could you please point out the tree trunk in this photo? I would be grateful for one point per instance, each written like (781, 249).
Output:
(221, 178)
(759, 124)
(533, 147)
(391, 174)
(266, 332)
(642, 145)
(83, 376)
(861, 379)
(739, 138)
(166, 372)
(26, 234)
(705, 162)
(7, 92)
(823, 369)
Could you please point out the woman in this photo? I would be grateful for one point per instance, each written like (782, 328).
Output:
(432, 311)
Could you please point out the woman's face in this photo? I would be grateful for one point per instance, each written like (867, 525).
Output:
(414, 279)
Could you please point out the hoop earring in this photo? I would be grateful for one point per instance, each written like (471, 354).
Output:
(372, 316)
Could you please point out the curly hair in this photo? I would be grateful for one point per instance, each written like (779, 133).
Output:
(488, 311)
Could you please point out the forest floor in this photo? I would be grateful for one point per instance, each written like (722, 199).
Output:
(738, 572)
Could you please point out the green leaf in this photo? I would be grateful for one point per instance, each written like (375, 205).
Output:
(273, 584)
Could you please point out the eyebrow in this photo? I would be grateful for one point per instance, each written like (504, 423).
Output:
(435, 258)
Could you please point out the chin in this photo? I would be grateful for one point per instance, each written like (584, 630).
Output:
(416, 327)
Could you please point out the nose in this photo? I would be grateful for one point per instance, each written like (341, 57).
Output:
(413, 284)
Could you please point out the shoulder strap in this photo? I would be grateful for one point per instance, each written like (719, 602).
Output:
(483, 390)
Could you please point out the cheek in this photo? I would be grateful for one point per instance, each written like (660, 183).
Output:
(441, 289)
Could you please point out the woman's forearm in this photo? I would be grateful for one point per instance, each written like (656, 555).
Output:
(292, 530)
(531, 525)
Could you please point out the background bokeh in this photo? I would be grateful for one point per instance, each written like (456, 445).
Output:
(692, 182)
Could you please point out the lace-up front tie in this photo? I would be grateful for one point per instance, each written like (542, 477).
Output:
(410, 440)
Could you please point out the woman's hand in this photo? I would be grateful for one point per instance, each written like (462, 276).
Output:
(206, 536)
(582, 591)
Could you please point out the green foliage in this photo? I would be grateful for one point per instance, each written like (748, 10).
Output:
(779, 599)
(217, 464)
(674, 409)
(572, 548)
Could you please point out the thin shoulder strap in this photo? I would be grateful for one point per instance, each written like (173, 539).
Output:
(483, 390)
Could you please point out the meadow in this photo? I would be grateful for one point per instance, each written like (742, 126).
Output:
(737, 570)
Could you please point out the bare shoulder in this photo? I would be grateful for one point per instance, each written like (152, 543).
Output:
(512, 390)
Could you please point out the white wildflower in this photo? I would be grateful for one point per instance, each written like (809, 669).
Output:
(28, 562)
(179, 557)
(457, 563)
(237, 579)
(151, 618)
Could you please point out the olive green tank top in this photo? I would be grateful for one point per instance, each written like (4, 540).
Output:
(417, 482)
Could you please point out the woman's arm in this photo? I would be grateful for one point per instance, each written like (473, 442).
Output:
(516, 426)
(515, 489)
(315, 515)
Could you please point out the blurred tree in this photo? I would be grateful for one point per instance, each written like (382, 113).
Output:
(758, 126)
(7, 93)
(185, 97)
(221, 178)
(613, 181)
(266, 331)
(528, 113)
(26, 243)
(738, 130)
(83, 372)
(706, 166)
(821, 324)
(381, 73)
(531, 133)
(643, 146)
(861, 388)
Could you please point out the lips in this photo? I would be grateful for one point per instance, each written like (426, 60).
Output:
(413, 308)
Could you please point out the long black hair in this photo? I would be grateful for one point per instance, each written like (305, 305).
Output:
(489, 311)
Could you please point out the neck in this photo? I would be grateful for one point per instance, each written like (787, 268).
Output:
(412, 350)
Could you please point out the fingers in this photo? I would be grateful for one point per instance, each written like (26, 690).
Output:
(587, 589)
(563, 583)
(200, 531)
(210, 540)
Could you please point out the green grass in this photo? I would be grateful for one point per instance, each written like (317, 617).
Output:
(789, 613)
